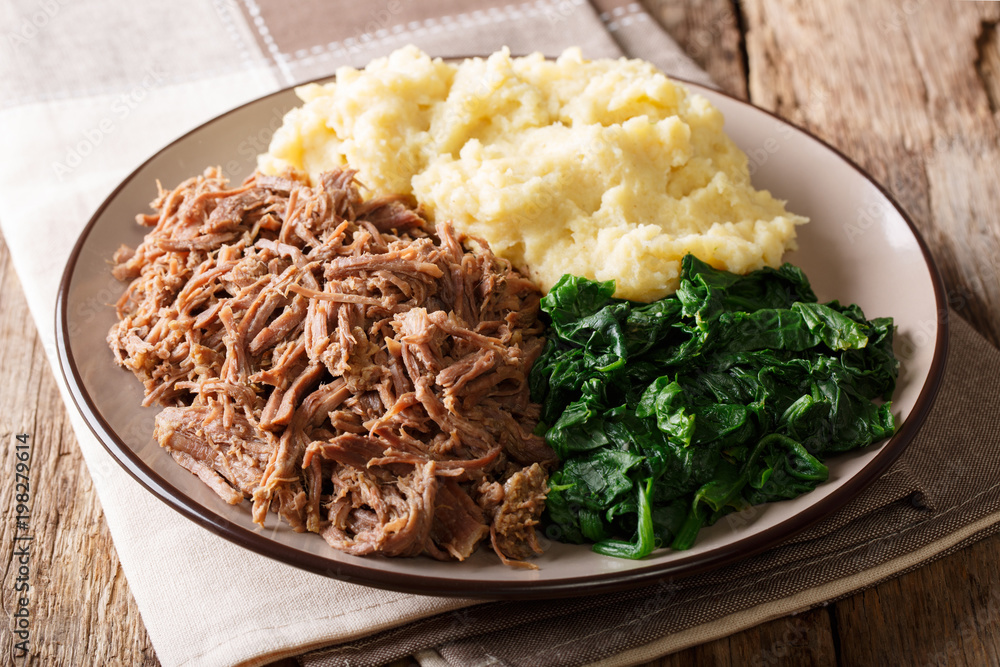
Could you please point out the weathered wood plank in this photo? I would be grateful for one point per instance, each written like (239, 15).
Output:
(709, 32)
(945, 613)
(80, 609)
(910, 102)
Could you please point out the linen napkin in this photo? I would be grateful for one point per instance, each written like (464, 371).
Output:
(90, 91)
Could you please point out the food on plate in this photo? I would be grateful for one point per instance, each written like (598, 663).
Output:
(667, 416)
(322, 350)
(338, 361)
(605, 169)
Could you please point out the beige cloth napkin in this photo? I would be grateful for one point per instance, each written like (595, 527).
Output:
(89, 91)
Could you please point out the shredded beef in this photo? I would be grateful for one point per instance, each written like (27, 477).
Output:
(340, 362)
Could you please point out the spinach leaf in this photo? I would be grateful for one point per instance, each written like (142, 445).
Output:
(664, 399)
(667, 416)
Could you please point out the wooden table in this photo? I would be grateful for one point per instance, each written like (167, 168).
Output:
(908, 89)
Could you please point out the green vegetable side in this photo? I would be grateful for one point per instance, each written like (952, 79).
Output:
(667, 416)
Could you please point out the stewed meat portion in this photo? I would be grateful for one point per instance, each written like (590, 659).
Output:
(339, 361)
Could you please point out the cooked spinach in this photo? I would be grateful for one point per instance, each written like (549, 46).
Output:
(731, 392)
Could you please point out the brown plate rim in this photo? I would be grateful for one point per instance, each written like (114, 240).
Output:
(360, 573)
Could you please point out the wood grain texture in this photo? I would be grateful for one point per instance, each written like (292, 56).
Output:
(945, 613)
(913, 103)
(81, 611)
(709, 32)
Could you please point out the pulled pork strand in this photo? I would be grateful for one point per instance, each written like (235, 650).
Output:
(340, 362)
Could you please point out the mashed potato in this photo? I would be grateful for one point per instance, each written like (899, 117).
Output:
(605, 169)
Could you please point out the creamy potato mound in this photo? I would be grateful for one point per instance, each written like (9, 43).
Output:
(605, 169)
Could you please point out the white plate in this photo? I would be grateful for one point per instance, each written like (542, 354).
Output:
(860, 247)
